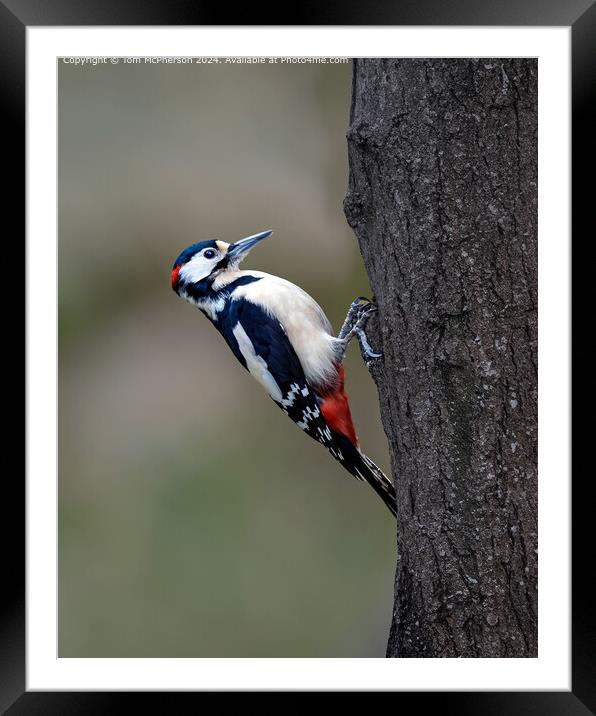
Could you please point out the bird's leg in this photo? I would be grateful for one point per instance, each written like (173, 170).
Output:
(358, 314)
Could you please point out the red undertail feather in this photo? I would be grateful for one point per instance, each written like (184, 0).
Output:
(336, 410)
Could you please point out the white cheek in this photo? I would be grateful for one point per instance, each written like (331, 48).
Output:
(197, 269)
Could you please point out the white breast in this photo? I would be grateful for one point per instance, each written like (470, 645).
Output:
(303, 320)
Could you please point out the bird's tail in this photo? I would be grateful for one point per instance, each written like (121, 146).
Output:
(363, 468)
(380, 483)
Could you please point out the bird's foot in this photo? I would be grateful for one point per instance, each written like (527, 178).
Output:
(359, 307)
(367, 351)
(358, 315)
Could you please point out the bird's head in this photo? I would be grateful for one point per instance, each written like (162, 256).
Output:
(208, 259)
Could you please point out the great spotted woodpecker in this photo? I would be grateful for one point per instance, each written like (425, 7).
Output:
(283, 338)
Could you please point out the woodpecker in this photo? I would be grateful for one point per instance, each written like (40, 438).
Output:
(284, 339)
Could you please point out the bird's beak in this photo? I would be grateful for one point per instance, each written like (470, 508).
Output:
(238, 251)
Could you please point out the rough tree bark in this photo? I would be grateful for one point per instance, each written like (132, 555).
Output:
(443, 199)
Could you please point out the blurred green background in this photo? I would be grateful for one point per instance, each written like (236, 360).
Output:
(195, 520)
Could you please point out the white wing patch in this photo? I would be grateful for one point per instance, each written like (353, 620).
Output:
(256, 365)
(288, 401)
(308, 414)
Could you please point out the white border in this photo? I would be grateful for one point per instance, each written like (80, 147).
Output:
(551, 670)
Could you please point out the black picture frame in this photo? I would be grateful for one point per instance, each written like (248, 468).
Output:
(15, 16)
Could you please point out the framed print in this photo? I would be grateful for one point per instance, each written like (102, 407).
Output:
(182, 535)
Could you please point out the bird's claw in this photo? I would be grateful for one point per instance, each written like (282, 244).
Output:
(363, 316)
(372, 356)
(367, 352)
(359, 313)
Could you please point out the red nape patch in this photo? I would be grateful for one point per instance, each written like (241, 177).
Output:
(175, 273)
(336, 410)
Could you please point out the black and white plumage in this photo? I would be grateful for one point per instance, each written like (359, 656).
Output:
(283, 338)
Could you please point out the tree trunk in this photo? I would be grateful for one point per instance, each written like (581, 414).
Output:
(443, 199)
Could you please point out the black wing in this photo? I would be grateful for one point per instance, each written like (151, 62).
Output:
(270, 342)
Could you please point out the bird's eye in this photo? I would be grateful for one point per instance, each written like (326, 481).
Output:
(209, 253)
